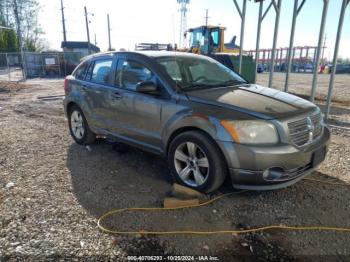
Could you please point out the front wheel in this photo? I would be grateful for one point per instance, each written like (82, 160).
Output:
(79, 128)
(197, 162)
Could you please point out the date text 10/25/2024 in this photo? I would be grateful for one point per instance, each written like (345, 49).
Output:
(173, 258)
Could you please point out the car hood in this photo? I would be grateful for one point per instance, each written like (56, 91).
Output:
(262, 102)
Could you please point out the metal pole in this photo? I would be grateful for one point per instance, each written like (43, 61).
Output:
(65, 64)
(301, 59)
(275, 35)
(206, 17)
(87, 30)
(314, 59)
(263, 56)
(109, 34)
(8, 66)
(59, 64)
(318, 50)
(335, 57)
(42, 66)
(291, 42)
(24, 64)
(242, 36)
(281, 55)
(324, 45)
(258, 38)
(63, 22)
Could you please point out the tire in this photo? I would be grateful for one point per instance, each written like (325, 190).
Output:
(77, 121)
(185, 160)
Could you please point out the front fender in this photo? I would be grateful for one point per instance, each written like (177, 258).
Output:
(190, 119)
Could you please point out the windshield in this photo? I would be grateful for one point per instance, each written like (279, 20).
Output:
(197, 72)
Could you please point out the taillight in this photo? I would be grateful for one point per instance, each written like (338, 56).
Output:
(65, 85)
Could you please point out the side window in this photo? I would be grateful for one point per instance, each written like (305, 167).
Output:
(81, 71)
(130, 73)
(172, 68)
(101, 71)
(89, 71)
(215, 37)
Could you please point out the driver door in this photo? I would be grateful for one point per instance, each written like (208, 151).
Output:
(138, 115)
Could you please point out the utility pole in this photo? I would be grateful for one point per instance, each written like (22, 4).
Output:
(109, 34)
(87, 29)
(63, 22)
(95, 40)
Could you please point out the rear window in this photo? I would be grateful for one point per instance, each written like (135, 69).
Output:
(81, 71)
(101, 70)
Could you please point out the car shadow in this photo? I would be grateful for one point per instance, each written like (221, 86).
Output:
(104, 179)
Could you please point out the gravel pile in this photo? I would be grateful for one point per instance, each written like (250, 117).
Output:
(52, 191)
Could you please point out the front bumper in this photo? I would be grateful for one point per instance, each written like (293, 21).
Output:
(266, 168)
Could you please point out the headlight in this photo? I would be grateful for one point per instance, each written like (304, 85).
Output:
(251, 131)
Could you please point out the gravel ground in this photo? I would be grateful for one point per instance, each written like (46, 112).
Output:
(301, 84)
(52, 191)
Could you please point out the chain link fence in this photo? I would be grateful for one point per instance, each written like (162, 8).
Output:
(11, 67)
(14, 67)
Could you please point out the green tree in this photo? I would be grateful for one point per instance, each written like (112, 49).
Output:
(22, 15)
(8, 38)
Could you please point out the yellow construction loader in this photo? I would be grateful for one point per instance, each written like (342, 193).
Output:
(210, 40)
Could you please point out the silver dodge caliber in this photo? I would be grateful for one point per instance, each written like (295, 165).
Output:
(207, 120)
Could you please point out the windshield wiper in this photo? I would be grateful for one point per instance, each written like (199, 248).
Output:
(231, 83)
(197, 86)
(221, 84)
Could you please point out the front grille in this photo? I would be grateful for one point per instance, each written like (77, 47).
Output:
(299, 130)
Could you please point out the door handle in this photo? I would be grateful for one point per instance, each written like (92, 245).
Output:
(116, 95)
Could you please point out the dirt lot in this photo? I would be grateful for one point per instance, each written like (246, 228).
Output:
(301, 84)
(53, 191)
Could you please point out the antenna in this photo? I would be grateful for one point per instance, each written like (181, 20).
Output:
(183, 22)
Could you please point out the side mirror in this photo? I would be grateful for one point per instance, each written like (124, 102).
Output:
(147, 87)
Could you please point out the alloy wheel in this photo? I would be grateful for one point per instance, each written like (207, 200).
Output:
(191, 164)
(76, 121)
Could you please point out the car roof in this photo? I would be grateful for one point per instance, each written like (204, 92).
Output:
(151, 54)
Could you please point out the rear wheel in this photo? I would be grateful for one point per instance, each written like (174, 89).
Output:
(79, 128)
(196, 161)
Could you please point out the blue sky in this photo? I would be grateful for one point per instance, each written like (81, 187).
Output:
(136, 21)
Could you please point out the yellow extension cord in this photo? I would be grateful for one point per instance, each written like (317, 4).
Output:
(194, 232)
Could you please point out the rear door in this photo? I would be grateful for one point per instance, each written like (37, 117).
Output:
(96, 89)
